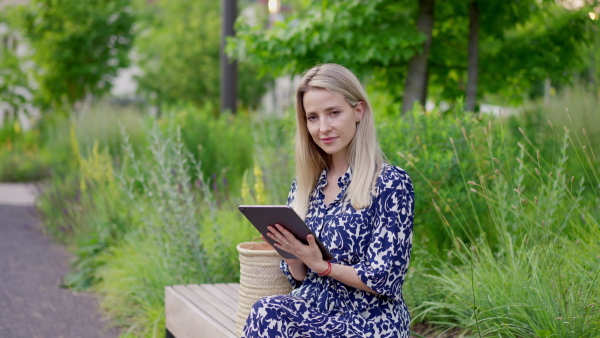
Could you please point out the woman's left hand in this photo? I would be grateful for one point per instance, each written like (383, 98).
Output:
(309, 254)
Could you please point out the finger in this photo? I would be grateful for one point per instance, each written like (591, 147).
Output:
(277, 241)
(278, 237)
(311, 240)
(275, 231)
(285, 233)
(285, 247)
(272, 232)
(312, 244)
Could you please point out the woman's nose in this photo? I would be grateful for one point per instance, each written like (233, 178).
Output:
(325, 126)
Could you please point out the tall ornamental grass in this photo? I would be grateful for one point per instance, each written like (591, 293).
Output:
(137, 206)
(223, 144)
(506, 224)
(420, 143)
(533, 269)
(180, 234)
(83, 209)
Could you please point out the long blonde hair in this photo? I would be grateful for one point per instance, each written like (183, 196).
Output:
(364, 154)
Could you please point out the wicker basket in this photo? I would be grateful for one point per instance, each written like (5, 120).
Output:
(260, 276)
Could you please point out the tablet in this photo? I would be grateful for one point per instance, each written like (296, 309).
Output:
(261, 216)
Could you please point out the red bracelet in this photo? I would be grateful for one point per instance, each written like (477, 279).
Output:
(326, 272)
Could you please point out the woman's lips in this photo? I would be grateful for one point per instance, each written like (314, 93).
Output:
(328, 139)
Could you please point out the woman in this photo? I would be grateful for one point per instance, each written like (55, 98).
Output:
(360, 207)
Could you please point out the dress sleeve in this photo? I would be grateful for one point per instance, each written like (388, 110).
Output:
(283, 265)
(384, 266)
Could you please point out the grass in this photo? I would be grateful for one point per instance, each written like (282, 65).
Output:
(180, 235)
(533, 270)
(506, 226)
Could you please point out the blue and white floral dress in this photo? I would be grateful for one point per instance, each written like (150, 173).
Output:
(376, 241)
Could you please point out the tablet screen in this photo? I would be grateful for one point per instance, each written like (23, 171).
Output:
(261, 216)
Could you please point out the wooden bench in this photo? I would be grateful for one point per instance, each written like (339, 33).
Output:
(205, 310)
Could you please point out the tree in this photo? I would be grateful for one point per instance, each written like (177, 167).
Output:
(370, 37)
(14, 85)
(77, 46)
(418, 75)
(178, 47)
(381, 41)
(472, 67)
(515, 48)
(178, 51)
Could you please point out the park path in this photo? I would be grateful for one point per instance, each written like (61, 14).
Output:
(32, 304)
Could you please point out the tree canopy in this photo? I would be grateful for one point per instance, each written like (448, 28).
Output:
(520, 43)
(178, 47)
(77, 46)
(178, 50)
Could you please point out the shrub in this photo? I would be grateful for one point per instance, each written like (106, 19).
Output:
(223, 145)
(538, 279)
(180, 235)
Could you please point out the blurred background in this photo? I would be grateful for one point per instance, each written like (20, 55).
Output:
(146, 122)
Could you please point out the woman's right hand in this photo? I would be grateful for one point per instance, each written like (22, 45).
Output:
(297, 266)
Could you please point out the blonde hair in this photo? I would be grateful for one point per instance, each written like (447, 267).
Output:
(364, 154)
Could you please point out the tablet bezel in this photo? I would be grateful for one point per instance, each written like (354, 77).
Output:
(261, 216)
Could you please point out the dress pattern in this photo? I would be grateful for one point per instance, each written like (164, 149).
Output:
(376, 241)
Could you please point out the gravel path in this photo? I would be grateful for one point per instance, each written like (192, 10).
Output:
(31, 267)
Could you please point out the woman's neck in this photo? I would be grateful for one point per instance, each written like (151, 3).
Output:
(339, 166)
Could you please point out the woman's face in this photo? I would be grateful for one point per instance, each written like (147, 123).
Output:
(331, 120)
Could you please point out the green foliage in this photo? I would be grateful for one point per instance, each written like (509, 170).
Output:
(20, 157)
(100, 124)
(170, 206)
(364, 36)
(178, 44)
(548, 45)
(79, 46)
(427, 146)
(593, 52)
(179, 50)
(82, 210)
(540, 278)
(132, 285)
(43, 151)
(223, 145)
(13, 83)
(20, 166)
(575, 107)
(520, 44)
(274, 155)
(175, 229)
(483, 259)
(179, 229)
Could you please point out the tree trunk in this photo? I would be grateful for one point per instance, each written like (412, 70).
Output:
(228, 67)
(416, 79)
(423, 97)
(471, 94)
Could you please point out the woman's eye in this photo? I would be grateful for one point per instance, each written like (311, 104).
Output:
(335, 113)
(311, 118)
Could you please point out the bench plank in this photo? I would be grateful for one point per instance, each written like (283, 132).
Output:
(209, 308)
(184, 318)
(223, 292)
(236, 289)
(190, 315)
(213, 294)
